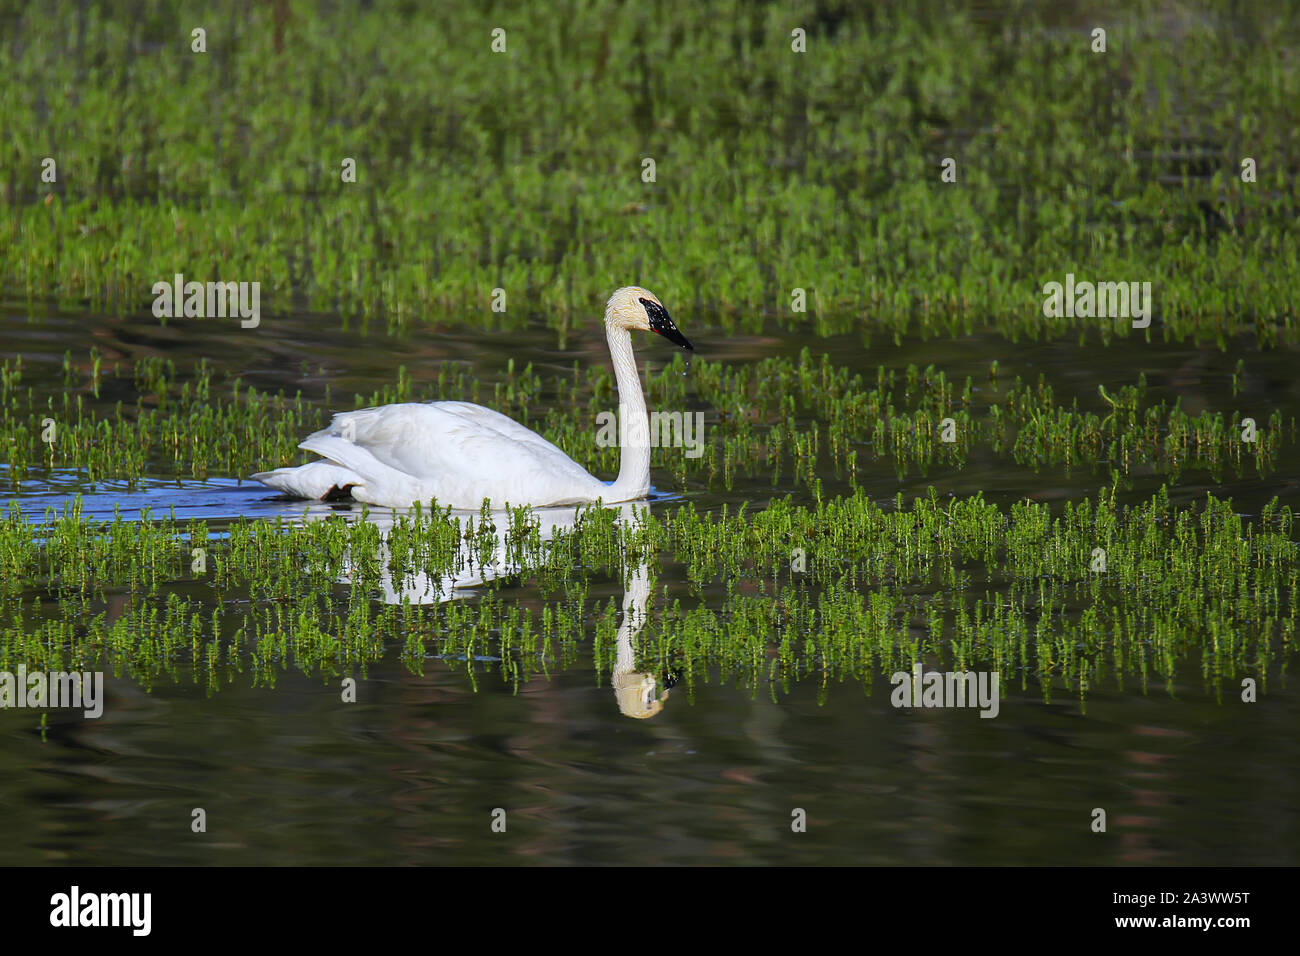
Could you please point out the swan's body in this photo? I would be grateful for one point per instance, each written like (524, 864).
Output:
(459, 454)
(456, 452)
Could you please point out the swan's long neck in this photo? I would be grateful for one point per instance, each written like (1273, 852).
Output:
(634, 425)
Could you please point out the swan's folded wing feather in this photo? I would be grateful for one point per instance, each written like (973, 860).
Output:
(447, 442)
(313, 480)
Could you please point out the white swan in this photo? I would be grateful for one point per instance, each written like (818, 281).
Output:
(460, 453)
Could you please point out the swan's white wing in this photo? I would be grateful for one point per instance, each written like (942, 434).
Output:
(424, 440)
(478, 416)
(456, 452)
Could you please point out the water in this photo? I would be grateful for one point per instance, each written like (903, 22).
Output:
(412, 772)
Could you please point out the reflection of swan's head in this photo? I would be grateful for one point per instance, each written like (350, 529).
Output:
(636, 309)
(636, 695)
(634, 689)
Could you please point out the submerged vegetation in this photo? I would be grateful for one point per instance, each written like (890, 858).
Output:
(525, 169)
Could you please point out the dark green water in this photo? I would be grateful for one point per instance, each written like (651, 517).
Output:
(412, 772)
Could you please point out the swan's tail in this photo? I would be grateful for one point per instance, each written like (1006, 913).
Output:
(349, 462)
(317, 479)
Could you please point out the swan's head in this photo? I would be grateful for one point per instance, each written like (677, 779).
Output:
(636, 695)
(637, 309)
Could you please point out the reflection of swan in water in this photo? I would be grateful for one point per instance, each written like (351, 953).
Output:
(634, 690)
(471, 567)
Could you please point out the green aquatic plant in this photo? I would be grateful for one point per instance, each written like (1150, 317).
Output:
(842, 590)
(802, 417)
(775, 170)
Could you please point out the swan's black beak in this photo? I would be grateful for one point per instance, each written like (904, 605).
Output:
(662, 323)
